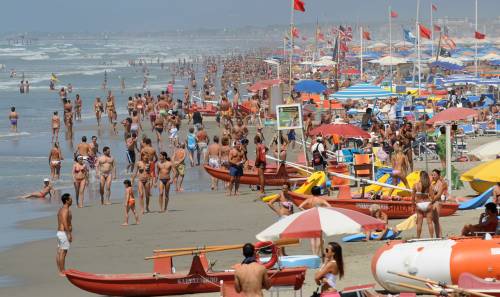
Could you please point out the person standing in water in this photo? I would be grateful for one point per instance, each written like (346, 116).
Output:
(55, 159)
(13, 117)
(78, 107)
(98, 109)
(129, 202)
(56, 125)
(106, 170)
(164, 167)
(64, 232)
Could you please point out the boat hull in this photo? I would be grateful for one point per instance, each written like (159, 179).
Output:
(172, 284)
(252, 178)
(394, 209)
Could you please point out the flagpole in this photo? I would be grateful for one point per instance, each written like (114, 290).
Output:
(418, 44)
(390, 44)
(475, 42)
(432, 33)
(361, 53)
(291, 46)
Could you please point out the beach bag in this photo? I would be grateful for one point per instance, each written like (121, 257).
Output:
(191, 142)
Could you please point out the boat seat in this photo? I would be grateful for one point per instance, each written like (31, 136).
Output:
(162, 265)
(227, 289)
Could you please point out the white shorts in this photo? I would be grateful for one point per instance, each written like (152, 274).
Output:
(214, 163)
(62, 240)
(423, 206)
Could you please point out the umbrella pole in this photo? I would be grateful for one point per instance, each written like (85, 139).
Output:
(448, 158)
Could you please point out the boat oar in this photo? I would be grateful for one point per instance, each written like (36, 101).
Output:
(413, 287)
(279, 243)
(194, 248)
(440, 284)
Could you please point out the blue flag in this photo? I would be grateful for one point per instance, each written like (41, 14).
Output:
(408, 36)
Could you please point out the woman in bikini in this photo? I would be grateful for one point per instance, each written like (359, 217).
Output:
(55, 158)
(332, 269)
(164, 167)
(143, 172)
(423, 200)
(110, 109)
(78, 107)
(129, 202)
(285, 205)
(159, 126)
(98, 109)
(56, 125)
(79, 180)
(400, 166)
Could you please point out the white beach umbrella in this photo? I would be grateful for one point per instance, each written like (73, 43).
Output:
(488, 151)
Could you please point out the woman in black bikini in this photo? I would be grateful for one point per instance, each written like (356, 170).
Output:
(143, 172)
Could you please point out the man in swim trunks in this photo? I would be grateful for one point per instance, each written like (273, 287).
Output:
(131, 144)
(13, 117)
(47, 189)
(180, 167)
(202, 141)
(250, 277)
(64, 232)
(488, 222)
(213, 158)
(148, 150)
(164, 166)
(106, 170)
(236, 160)
(94, 151)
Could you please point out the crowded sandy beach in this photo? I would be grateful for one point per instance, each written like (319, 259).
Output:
(328, 159)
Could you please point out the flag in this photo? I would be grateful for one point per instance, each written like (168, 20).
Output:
(320, 36)
(479, 35)
(335, 49)
(449, 42)
(345, 33)
(425, 32)
(434, 7)
(394, 14)
(366, 35)
(408, 36)
(299, 5)
(295, 32)
(437, 28)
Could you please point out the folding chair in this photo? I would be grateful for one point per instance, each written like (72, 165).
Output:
(363, 168)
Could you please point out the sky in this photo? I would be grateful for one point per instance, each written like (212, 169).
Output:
(166, 15)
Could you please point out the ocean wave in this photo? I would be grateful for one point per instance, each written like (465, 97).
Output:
(36, 57)
(12, 134)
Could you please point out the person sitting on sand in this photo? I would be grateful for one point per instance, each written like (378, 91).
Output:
(129, 202)
(47, 189)
(332, 268)
(250, 277)
(488, 222)
(376, 212)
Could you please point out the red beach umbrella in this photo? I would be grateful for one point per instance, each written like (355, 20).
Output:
(344, 130)
(453, 114)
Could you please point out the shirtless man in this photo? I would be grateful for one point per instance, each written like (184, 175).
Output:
(148, 150)
(180, 166)
(236, 160)
(131, 144)
(78, 107)
(13, 117)
(98, 109)
(47, 189)
(202, 141)
(94, 151)
(250, 277)
(136, 122)
(55, 158)
(106, 170)
(64, 232)
(83, 149)
(56, 125)
(163, 174)
(213, 158)
(225, 109)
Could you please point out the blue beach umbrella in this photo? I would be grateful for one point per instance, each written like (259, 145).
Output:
(309, 86)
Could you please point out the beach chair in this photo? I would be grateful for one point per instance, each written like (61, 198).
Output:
(495, 131)
(363, 167)
(467, 129)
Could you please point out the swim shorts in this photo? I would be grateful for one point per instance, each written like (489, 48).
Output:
(62, 240)
(235, 170)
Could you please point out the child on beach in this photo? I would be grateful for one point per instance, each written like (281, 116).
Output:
(129, 202)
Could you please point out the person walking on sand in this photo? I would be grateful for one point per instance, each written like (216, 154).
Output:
(250, 277)
(64, 232)
(98, 109)
(179, 166)
(106, 170)
(131, 143)
(13, 117)
(56, 125)
(143, 172)
(214, 160)
(164, 168)
(260, 161)
(236, 160)
(129, 202)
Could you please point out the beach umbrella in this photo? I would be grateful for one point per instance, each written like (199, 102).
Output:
(319, 221)
(487, 151)
(453, 114)
(489, 57)
(344, 130)
(362, 91)
(487, 171)
(350, 71)
(309, 86)
(388, 61)
(263, 84)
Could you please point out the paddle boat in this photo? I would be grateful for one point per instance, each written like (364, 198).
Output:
(276, 177)
(164, 281)
(395, 209)
(443, 260)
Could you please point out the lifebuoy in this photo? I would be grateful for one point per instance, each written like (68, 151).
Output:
(274, 256)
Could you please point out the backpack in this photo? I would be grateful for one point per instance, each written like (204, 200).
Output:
(261, 153)
(317, 158)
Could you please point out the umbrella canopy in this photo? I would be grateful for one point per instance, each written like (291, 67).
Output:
(362, 91)
(388, 60)
(344, 130)
(315, 222)
(488, 151)
(309, 86)
(447, 66)
(487, 171)
(263, 84)
(489, 57)
(453, 114)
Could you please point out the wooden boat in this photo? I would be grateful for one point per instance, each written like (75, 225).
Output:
(164, 281)
(271, 177)
(395, 209)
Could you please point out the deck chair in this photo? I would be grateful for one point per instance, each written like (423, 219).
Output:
(496, 130)
(363, 168)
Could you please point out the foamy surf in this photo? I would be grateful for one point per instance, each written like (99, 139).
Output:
(12, 134)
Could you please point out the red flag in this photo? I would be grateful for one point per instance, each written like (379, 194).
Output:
(394, 14)
(479, 35)
(437, 28)
(425, 32)
(295, 32)
(299, 5)
(434, 7)
(366, 35)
